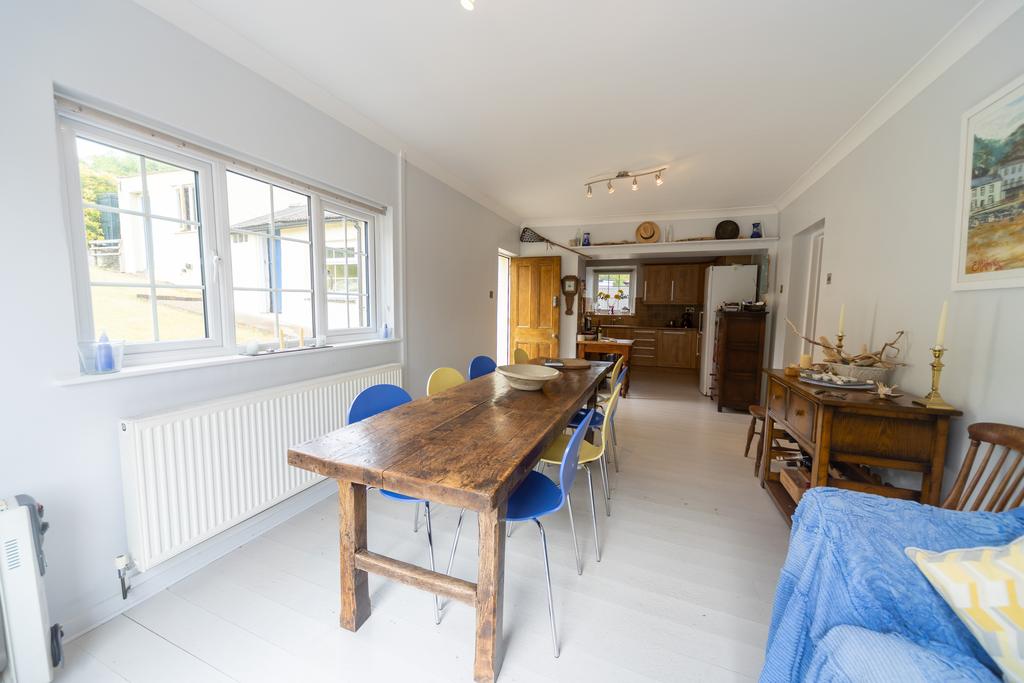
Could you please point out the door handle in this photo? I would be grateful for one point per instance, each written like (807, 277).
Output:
(672, 295)
(554, 302)
(645, 290)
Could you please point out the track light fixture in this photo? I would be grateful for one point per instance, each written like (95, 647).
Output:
(621, 175)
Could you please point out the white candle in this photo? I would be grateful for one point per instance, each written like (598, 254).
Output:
(941, 334)
(842, 318)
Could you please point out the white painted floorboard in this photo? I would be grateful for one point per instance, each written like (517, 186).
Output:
(683, 592)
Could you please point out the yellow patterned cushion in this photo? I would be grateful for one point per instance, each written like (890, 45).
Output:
(985, 587)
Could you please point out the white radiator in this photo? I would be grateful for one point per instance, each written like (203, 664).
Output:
(192, 473)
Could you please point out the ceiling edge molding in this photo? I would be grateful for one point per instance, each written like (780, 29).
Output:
(238, 47)
(728, 212)
(984, 18)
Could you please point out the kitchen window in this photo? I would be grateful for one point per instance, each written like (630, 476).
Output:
(182, 252)
(612, 290)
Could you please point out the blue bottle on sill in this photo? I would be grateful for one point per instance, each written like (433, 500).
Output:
(104, 354)
(756, 231)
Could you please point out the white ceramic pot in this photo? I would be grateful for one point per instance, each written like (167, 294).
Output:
(528, 377)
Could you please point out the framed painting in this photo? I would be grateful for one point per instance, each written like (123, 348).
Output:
(990, 211)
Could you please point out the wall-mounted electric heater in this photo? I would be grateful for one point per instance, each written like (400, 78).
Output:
(30, 647)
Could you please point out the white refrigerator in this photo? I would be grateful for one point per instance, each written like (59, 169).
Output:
(721, 284)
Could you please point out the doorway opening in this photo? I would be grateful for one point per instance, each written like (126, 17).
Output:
(504, 263)
(805, 281)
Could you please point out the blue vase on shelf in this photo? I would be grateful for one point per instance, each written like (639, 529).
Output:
(756, 231)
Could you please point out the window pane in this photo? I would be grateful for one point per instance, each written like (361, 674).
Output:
(248, 204)
(294, 262)
(117, 250)
(122, 313)
(177, 254)
(254, 317)
(347, 273)
(250, 261)
(291, 214)
(180, 313)
(258, 315)
(172, 191)
(109, 176)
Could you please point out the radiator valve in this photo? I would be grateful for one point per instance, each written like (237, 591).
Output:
(122, 563)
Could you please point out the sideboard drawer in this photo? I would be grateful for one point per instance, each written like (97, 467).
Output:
(800, 416)
(777, 399)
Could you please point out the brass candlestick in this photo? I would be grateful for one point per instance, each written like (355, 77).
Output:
(839, 343)
(934, 399)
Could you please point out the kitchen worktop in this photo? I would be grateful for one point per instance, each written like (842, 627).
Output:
(652, 327)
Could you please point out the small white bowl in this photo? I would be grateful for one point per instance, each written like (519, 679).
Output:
(528, 377)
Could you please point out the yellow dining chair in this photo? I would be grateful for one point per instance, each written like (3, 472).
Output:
(443, 379)
(589, 453)
(520, 356)
(612, 376)
(440, 380)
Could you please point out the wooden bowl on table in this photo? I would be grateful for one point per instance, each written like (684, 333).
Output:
(528, 377)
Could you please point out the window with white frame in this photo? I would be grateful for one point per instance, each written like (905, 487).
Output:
(158, 265)
(348, 253)
(143, 275)
(271, 272)
(612, 290)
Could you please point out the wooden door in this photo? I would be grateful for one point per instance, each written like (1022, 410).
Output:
(689, 285)
(534, 297)
(657, 287)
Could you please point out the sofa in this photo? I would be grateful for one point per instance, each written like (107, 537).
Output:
(851, 607)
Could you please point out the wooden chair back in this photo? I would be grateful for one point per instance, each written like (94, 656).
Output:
(991, 483)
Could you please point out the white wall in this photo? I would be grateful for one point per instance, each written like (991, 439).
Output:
(60, 442)
(451, 269)
(890, 213)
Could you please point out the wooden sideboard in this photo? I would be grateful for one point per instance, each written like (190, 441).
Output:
(848, 436)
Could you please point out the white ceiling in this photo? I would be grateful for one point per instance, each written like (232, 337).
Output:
(523, 100)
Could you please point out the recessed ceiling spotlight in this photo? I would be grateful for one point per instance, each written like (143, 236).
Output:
(467, 5)
(590, 192)
(611, 188)
(635, 185)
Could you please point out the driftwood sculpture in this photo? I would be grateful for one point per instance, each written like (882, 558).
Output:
(832, 354)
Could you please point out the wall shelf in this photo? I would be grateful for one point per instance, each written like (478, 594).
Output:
(666, 249)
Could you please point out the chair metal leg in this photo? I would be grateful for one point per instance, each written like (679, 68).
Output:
(593, 511)
(455, 544)
(607, 488)
(615, 445)
(575, 543)
(416, 517)
(547, 575)
(430, 547)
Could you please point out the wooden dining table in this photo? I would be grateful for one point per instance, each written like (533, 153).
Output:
(468, 447)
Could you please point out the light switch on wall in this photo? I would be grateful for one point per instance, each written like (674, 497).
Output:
(492, 294)
(828, 278)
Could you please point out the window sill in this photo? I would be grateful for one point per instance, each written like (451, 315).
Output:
(176, 366)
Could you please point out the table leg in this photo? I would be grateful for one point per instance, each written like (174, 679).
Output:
(490, 587)
(355, 588)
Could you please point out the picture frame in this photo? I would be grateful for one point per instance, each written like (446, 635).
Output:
(989, 234)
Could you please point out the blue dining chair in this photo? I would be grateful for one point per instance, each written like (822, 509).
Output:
(377, 399)
(480, 366)
(538, 496)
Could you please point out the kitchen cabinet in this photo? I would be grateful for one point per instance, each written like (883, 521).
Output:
(677, 349)
(645, 347)
(681, 283)
(658, 285)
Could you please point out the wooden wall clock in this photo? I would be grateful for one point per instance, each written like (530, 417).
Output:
(570, 287)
